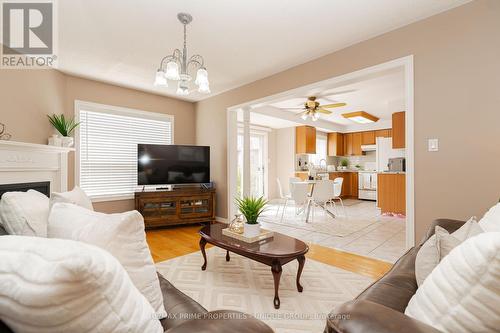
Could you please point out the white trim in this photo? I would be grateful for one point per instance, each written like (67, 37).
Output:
(221, 219)
(26, 146)
(255, 128)
(117, 110)
(405, 62)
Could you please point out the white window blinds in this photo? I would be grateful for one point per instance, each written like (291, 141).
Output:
(107, 142)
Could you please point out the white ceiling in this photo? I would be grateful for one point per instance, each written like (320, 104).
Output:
(380, 94)
(122, 41)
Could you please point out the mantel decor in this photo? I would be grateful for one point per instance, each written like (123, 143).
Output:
(176, 66)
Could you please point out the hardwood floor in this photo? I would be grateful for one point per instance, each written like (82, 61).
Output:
(176, 241)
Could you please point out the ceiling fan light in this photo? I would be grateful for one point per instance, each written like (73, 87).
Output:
(204, 88)
(201, 77)
(360, 117)
(160, 80)
(172, 72)
(182, 88)
(315, 116)
(304, 116)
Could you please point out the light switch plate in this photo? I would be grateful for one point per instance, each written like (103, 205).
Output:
(433, 145)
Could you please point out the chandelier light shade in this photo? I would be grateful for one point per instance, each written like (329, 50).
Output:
(177, 66)
(172, 72)
(160, 80)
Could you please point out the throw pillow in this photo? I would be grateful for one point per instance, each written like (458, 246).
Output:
(25, 213)
(463, 292)
(428, 256)
(76, 196)
(120, 234)
(60, 286)
(491, 220)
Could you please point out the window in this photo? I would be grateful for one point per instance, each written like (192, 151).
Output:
(321, 149)
(107, 141)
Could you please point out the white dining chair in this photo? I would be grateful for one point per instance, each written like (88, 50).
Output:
(300, 196)
(292, 181)
(337, 192)
(283, 199)
(322, 194)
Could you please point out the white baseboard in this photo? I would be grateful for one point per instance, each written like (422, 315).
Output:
(221, 219)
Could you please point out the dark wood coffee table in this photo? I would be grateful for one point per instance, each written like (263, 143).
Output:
(274, 252)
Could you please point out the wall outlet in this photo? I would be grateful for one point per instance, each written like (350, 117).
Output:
(433, 145)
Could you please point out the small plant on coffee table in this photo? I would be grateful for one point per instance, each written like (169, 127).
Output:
(251, 208)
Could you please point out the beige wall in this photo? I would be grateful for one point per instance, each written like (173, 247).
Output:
(457, 78)
(27, 96)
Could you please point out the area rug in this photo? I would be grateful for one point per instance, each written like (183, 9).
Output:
(247, 286)
(339, 226)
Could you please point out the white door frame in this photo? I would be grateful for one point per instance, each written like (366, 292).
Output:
(407, 64)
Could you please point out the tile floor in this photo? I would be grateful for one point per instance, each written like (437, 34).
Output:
(384, 239)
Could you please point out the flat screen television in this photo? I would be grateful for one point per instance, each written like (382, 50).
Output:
(172, 164)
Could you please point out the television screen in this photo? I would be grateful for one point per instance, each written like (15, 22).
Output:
(172, 164)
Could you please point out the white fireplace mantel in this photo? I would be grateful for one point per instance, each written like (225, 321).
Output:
(22, 162)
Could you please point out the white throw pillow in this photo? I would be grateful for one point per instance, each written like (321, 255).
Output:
(462, 294)
(60, 286)
(76, 196)
(120, 234)
(491, 220)
(428, 256)
(25, 213)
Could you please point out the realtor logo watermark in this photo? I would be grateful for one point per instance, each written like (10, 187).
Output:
(28, 30)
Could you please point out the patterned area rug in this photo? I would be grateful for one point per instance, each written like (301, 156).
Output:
(338, 226)
(247, 286)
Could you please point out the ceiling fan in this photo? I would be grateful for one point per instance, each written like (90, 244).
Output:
(312, 108)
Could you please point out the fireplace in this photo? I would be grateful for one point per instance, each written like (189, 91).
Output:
(42, 187)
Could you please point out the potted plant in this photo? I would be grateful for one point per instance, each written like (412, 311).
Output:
(344, 163)
(251, 208)
(64, 127)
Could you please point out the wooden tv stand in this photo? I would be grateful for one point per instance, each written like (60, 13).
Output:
(179, 206)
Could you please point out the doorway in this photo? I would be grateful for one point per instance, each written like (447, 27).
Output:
(258, 164)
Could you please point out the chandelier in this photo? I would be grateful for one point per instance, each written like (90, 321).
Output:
(177, 65)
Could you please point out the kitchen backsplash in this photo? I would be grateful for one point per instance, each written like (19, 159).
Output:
(367, 161)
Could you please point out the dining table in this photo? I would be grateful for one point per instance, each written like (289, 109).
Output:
(313, 182)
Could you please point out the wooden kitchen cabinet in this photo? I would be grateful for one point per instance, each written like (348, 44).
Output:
(347, 144)
(356, 144)
(368, 138)
(305, 140)
(391, 193)
(335, 144)
(398, 130)
(384, 133)
(349, 185)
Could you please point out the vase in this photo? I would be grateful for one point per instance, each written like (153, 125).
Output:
(237, 224)
(67, 141)
(55, 140)
(251, 230)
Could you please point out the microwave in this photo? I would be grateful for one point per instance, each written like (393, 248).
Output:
(397, 164)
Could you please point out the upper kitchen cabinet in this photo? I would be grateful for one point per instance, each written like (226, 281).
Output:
(368, 138)
(385, 133)
(398, 130)
(356, 144)
(335, 144)
(305, 140)
(352, 144)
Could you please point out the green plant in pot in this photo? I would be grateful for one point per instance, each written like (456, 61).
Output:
(64, 126)
(344, 163)
(251, 208)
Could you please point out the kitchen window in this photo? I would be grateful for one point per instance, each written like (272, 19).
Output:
(321, 149)
(106, 147)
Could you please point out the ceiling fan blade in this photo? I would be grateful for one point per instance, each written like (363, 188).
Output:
(335, 105)
(319, 110)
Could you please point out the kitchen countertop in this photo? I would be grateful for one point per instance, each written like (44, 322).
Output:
(393, 172)
(324, 171)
